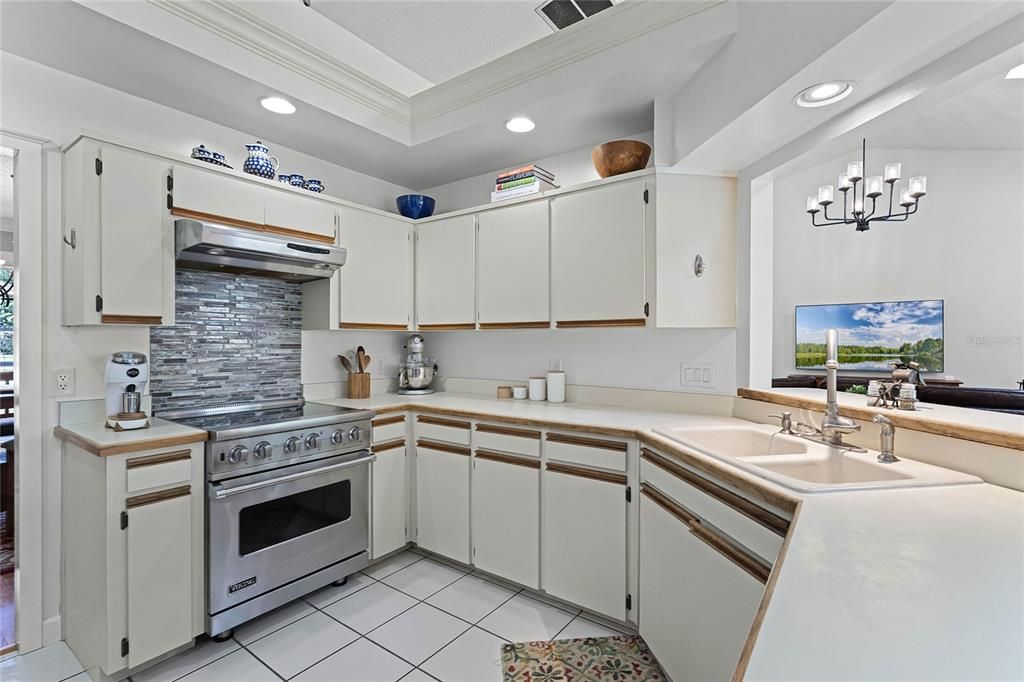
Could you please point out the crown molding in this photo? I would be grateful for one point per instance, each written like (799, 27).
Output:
(615, 26)
(244, 29)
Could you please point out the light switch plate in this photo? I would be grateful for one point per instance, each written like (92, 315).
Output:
(699, 375)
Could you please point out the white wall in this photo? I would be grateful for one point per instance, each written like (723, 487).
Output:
(965, 245)
(570, 168)
(52, 105)
(625, 358)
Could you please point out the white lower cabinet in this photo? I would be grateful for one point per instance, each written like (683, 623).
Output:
(134, 562)
(506, 516)
(442, 499)
(389, 498)
(584, 538)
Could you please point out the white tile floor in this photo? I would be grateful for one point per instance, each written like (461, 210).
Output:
(409, 617)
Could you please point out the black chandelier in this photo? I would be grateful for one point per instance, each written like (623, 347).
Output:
(854, 203)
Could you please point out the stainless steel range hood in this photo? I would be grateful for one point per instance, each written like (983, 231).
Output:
(221, 248)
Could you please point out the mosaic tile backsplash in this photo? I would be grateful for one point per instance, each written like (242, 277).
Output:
(237, 338)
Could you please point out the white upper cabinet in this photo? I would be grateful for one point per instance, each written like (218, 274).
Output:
(116, 267)
(376, 280)
(696, 217)
(598, 256)
(446, 273)
(513, 274)
(212, 195)
(294, 215)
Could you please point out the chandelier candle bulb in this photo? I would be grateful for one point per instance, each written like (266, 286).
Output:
(826, 195)
(844, 183)
(855, 171)
(892, 172)
(858, 207)
(918, 185)
(812, 204)
(907, 199)
(873, 188)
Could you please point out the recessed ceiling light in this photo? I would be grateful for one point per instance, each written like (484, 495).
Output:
(279, 105)
(824, 93)
(1015, 73)
(519, 124)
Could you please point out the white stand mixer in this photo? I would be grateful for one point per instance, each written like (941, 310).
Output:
(127, 376)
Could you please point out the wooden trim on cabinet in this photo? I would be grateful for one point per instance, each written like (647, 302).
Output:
(299, 234)
(443, 447)
(438, 421)
(101, 450)
(458, 326)
(631, 322)
(761, 516)
(131, 319)
(390, 445)
(667, 503)
(374, 326)
(213, 217)
(605, 476)
(162, 458)
(588, 442)
(539, 324)
(4, 650)
(506, 431)
(508, 459)
(755, 566)
(159, 496)
(387, 421)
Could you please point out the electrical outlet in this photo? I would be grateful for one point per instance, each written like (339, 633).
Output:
(62, 381)
(697, 375)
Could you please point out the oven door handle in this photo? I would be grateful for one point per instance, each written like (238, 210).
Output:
(220, 492)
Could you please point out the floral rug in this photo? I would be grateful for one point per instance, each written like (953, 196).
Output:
(624, 658)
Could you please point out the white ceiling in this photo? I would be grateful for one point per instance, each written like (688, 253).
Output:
(439, 39)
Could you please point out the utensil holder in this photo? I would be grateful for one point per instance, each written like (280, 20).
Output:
(359, 385)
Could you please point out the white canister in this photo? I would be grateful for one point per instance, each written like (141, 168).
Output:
(538, 388)
(519, 392)
(556, 386)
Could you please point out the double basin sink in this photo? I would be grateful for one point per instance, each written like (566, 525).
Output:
(805, 465)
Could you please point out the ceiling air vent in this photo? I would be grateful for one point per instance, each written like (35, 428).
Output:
(562, 13)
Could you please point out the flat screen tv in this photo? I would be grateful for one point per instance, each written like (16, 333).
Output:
(871, 335)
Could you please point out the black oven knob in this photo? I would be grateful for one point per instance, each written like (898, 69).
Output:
(262, 450)
(292, 444)
(355, 433)
(338, 437)
(312, 441)
(239, 453)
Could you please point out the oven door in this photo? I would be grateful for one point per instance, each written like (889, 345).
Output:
(270, 528)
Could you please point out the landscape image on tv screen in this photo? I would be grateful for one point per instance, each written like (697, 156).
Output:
(872, 335)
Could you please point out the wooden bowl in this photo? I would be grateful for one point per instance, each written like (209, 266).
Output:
(620, 156)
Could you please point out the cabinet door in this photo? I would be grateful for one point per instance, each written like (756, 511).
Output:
(506, 517)
(584, 538)
(446, 272)
(376, 280)
(211, 195)
(390, 495)
(442, 500)
(132, 206)
(294, 215)
(159, 556)
(513, 276)
(680, 576)
(597, 256)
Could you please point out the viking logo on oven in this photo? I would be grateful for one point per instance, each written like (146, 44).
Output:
(241, 585)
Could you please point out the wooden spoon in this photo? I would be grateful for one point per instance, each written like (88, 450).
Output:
(365, 363)
(360, 354)
(345, 363)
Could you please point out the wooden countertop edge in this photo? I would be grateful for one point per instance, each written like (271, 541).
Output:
(974, 434)
(101, 450)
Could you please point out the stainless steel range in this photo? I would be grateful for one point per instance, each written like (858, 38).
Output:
(287, 507)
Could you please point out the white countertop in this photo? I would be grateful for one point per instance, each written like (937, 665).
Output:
(99, 440)
(913, 583)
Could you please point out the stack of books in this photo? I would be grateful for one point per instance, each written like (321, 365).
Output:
(522, 181)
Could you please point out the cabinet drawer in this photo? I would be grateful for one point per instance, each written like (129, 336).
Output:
(507, 439)
(593, 452)
(444, 430)
(388, 428)
(155, 471)
(758, 529)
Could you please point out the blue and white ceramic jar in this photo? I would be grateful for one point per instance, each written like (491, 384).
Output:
(314, 185)
(260, 162)
(297, 180)
(285, 178)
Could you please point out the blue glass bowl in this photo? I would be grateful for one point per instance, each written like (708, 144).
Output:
(415, 205)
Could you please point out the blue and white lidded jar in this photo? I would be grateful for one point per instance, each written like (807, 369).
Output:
(314, 185)
(285, 178)
(260, 162)
(297, 180)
